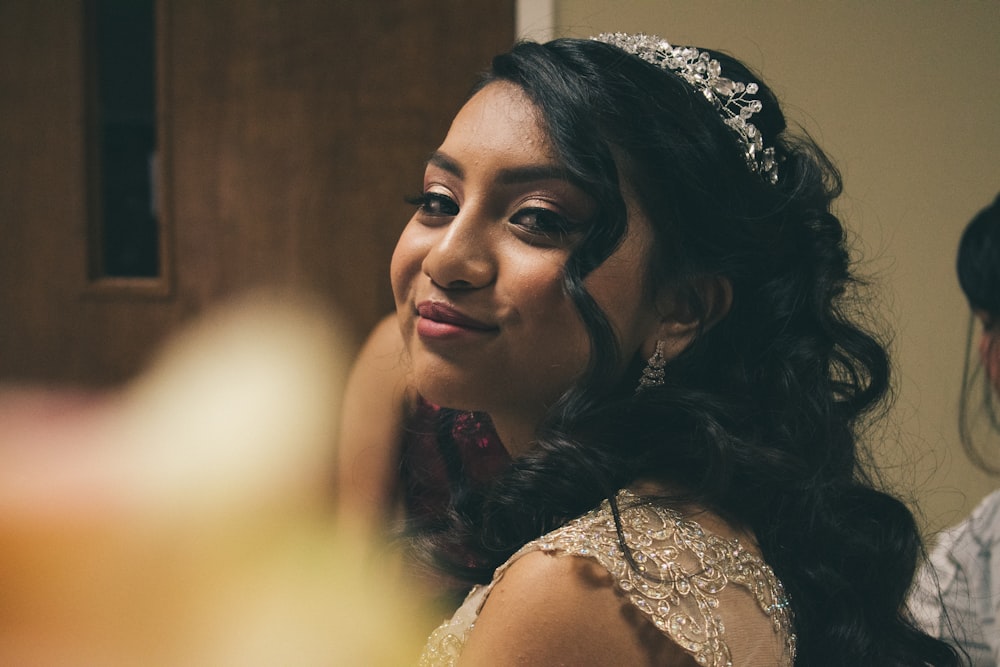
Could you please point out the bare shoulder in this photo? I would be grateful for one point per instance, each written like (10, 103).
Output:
(379, 382)
(384, 347)
(564, 610)
(372, 418)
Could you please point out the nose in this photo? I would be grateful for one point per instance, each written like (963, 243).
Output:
(462, 256)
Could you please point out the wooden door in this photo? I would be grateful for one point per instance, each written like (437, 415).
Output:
(289, 134)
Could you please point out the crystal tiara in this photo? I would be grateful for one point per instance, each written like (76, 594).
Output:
(704, 74)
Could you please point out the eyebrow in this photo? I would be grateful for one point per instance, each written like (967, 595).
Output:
(513, 176)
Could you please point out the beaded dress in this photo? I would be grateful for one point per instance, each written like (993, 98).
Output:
(711, 595)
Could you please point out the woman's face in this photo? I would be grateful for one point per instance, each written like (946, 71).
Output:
(477, 273)
(989, 347)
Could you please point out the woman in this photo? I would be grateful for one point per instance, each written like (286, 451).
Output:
(621, 257)
(965, 563)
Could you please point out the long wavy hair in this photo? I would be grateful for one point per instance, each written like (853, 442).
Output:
(760, 417)
(978, 268)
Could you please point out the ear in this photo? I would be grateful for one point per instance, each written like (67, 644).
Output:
(683, 317)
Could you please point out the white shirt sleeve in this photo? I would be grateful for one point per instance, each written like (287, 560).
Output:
(957, 594)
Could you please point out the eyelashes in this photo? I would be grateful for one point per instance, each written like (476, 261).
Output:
(534, 223)
(543, 222)
(434, 204)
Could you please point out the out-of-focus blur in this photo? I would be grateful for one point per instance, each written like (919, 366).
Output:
(185, 518)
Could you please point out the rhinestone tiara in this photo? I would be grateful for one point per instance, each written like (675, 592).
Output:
(704, 74)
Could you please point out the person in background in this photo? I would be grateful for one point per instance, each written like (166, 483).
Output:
(958, 593)
(624, 258)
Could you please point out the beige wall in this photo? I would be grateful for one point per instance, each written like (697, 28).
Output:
(903, 95)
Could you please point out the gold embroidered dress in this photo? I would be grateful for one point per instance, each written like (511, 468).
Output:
(711, 595)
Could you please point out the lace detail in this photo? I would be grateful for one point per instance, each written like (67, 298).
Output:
(445, 644)
(681, 572)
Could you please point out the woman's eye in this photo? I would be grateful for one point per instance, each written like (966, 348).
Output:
(435, 204)
(542, 222)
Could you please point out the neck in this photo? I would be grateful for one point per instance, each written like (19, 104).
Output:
(517, 435)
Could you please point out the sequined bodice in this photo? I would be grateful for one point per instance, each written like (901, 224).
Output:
(710, 595)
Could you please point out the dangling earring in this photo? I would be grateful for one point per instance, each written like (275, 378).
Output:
(652, 374)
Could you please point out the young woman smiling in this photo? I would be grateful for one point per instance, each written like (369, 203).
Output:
(623, 259)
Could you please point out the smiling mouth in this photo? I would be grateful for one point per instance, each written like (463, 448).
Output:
(445, 315)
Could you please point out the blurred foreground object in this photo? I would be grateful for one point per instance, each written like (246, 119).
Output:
(185, 519)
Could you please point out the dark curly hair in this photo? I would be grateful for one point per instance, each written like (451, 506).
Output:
(759, 418)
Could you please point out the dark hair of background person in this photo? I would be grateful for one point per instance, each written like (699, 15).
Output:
(760, 418)
(978, 267)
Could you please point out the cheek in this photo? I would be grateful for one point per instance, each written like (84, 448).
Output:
(553, 330)
(617, 286)
(536, 289)
(616, 294)
(989, 352)
(406, 262)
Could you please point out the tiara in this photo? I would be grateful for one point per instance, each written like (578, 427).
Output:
(704, 74)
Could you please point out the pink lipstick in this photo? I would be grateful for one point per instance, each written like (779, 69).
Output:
(439, 320)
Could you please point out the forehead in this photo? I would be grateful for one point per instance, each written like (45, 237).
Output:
(500, 122)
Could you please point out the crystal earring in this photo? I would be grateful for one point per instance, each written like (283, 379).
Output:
(652, 374)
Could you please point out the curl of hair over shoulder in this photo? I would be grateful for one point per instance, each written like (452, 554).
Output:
(760, 417)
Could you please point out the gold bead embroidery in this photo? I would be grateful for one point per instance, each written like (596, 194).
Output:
(682, 570)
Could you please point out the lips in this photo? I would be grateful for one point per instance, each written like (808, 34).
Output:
(444, 314)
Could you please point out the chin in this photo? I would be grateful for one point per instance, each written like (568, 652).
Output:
(451, 399)
(447, 390)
